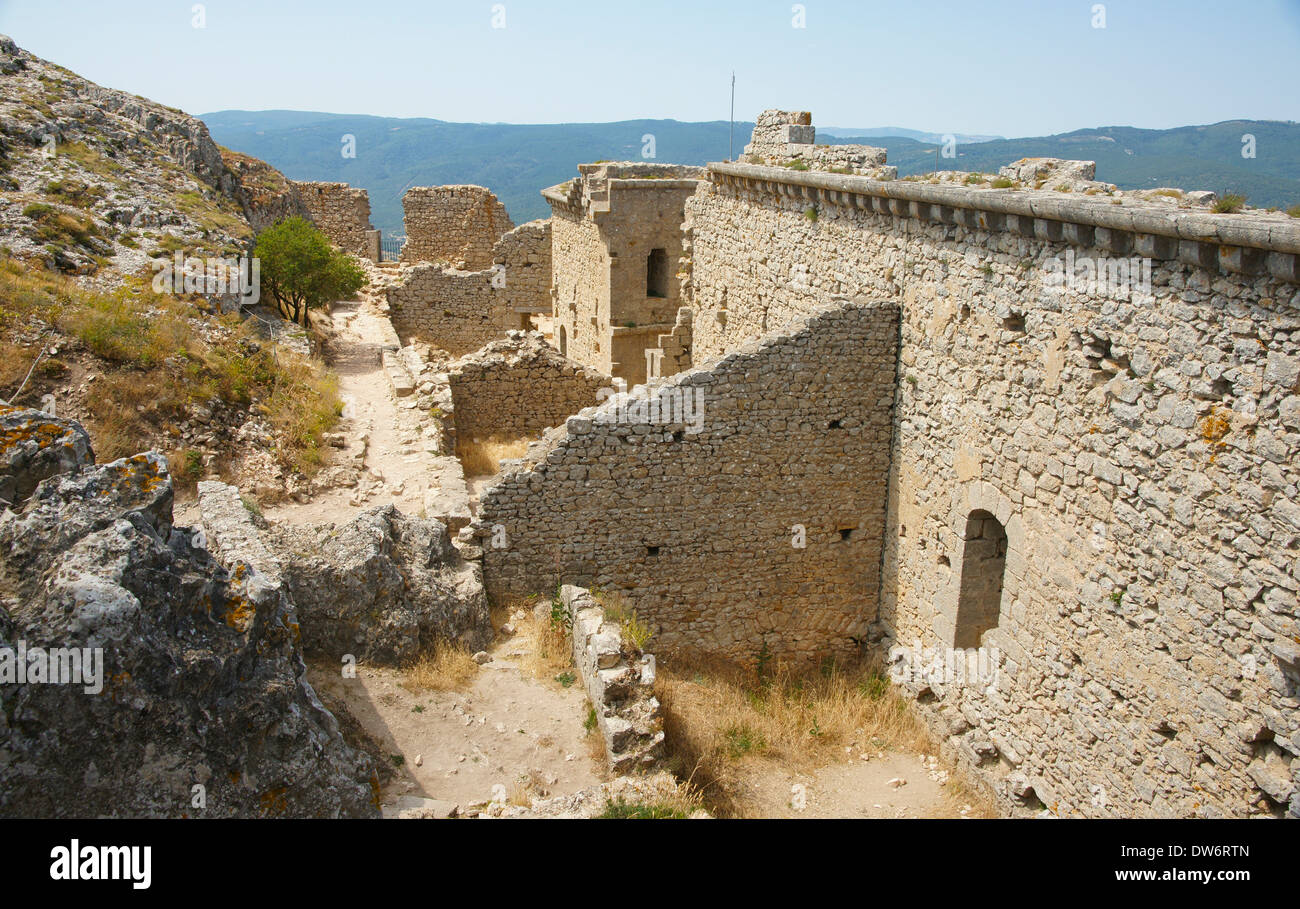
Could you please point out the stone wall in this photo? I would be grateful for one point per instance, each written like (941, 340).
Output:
(617, 248)
(1137, 452)
(620, 682)
(788, 138)
(519, 386)
(524, 255)
(580, 288)
(339, 211)
(751, 524)
(458, 311)
(458, 225)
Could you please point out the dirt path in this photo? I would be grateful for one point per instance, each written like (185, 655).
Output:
(869, 784)
(397, 465)
(506, 729)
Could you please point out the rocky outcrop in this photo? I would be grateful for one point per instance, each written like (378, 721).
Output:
(191, 699)
(382, 587)
(33, 449)
(265, 194)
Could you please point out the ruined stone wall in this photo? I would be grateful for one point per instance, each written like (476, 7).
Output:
(754, 529)
(788, 138)
(525, 255)
(339, 211)
(580, 289)
(460, 310)
(1139, 454)
(518, 387)
(619, 679)
(616, 260)
(458, 225)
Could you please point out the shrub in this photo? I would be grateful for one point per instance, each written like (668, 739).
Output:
(74, 192)
(1229, 203)
(62, 228)
(301, 270)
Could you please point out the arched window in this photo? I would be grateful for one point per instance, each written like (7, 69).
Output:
(979, 603)
(564, 342)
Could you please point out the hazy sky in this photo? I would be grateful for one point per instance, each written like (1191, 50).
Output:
(1012, 68)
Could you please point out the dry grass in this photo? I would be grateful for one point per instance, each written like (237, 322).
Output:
(719, 720)
(483, 457)
(546, 645)
(447, 668)
(155, 364)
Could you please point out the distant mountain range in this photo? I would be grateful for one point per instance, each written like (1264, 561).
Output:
(517, 161)
(877, 132)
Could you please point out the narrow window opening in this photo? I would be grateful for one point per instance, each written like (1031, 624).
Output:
(979, 602)
(656, 273)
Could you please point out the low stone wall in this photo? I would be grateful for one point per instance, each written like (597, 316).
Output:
(739, 509)
(339, 211)
(619, 680)
(458, 225)
(519, 387)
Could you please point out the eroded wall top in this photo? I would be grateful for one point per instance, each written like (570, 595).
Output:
(457, 224)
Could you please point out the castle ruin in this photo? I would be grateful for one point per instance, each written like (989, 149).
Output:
(878, 417)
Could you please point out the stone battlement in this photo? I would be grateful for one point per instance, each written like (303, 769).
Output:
(788, 138)
(1246, 243)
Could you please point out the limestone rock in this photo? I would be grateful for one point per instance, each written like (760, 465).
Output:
(201, 681)
(34, 446)
(381, 587)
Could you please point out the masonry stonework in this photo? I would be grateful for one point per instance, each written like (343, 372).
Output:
(617, 245)
(339, 211)
(458, 225)
(753, 526)
(458, 311)
(1137, 452)
(519, 386)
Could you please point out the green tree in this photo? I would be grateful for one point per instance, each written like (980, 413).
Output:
(302, 271)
